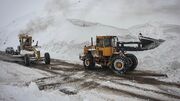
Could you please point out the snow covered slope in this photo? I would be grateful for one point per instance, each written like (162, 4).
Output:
(120, 13)
(165, 58)
(65, 26)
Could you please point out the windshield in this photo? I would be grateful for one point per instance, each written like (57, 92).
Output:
(107, 42)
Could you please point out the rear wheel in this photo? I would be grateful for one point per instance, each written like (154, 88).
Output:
(104, 66)
(89, 62)
(119, 64)
(12, 52)
(47, 58)
(26, 60)
(133, 61)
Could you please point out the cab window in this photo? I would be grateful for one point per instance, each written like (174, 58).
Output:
(107, 42)
(99, 43)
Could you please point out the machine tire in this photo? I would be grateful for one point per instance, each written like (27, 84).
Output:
(134, 61)
(47, 58)
(104, 66)
(119, 64)
(12, 52)
(89, 62)
(26, 60)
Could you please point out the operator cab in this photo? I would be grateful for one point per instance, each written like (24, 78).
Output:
(25, 41)
(106, 41)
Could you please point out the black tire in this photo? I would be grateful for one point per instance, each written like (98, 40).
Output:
(133, 61)
(89, 62)
(16, 52)
(104, 66)
(12, 52)
(119, 64)
(26, 60)
(47, 58)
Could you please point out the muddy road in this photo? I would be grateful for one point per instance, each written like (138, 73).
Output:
(72, 79)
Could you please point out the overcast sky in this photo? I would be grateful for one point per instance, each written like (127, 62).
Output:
(13, 9)
(110, 12)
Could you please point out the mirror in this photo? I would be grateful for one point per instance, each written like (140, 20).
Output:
(36, 43)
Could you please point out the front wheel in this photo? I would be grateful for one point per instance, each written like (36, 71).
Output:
(47, 58)
(119, 64)
(133, 61)
(26, 60)
(89, 62)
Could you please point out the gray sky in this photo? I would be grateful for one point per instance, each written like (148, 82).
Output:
(12, 9)
(121, 13)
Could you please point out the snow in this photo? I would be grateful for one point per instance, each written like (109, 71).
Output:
(30, 93)
(11, 73)
(63, 27)
(120, 13)
(13, 87)
(164, 58)
(12, 78)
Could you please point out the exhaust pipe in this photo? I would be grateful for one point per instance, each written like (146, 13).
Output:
(91, 41)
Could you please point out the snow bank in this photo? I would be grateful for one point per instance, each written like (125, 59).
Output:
(11, 72)
(30, 93)
(120, 13)
(165, 58)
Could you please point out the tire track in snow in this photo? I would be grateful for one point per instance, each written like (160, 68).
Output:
(145, 89)
(97, 74)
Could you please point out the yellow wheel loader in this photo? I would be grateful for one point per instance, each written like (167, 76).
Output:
(30, 53)
(110, 52)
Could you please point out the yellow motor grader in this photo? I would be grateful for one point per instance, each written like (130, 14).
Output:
(110, 52)
(29, 52)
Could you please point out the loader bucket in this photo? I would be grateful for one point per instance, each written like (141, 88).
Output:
(150, 43)
(145, 43)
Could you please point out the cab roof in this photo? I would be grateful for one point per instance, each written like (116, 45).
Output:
(102, 37)
(24, 36)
